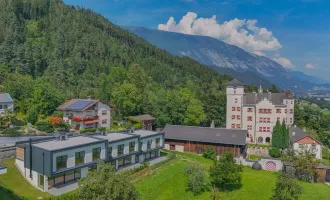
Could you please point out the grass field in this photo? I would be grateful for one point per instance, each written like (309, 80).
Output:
(13, 186)
(169, 182)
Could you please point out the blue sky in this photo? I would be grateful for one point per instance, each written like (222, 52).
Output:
(297, 31)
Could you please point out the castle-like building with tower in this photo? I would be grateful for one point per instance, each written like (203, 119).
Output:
(257, 112)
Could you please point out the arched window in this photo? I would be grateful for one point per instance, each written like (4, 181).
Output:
(267, 139)
(260, 140)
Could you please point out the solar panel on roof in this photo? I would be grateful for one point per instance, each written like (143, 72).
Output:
(78, 105)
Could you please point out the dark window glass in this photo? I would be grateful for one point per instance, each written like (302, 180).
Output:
(41, 181)
(109, 152)
(59, 179)
(96, 153)
(50, 182)
(120, 149)
(92, 167)
(149, 144)
(69, 176)
(80, 157)
(61, 162)
(77, 174)
(131, 147)
(157, 142)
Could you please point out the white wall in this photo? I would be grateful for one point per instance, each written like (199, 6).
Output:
(153, 142)
(10, 106)
(318, 152)
(101, 106)
(231, 102)
(126, 146)
(71, 154)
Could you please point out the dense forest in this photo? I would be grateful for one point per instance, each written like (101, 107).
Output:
(50, 52)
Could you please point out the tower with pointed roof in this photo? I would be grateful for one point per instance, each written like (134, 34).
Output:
(235, 92)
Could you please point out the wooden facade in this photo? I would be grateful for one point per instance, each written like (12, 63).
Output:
(19, 153)
(198, 147)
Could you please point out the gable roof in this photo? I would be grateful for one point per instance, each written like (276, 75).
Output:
(5, 98)
(235, 82)
(254, 98)
(66, 105)
(143, 117)
(298, 135)
(205, 134)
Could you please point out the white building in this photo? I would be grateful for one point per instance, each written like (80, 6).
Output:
(6, 102)
(86, 113)
(257, 112)
(52, 163)
(301, 141)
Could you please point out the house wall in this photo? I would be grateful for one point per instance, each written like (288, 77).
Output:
(233, 95)
(100, 107)
(10, 106)
(198, 147)
(307, 144)
(114, 146)
(71, 155)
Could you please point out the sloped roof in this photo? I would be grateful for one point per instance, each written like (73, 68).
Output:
(254, 98)
(66, 105)
(205, 134)
(235, 82)
(298, 134)
(143, 117)
(5, 98)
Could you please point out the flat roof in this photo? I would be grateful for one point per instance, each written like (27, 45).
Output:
(114, 136)
(62, 144)
(144, 133)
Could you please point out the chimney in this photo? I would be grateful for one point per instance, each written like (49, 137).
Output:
(212, 124)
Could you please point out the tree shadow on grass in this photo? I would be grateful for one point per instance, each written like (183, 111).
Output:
(6, 194)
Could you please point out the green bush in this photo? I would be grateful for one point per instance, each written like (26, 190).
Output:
(58, 114)
(209, 153)
(275, 152)
(44, 126)
(11, 132)
(32, 116)
(102, 129)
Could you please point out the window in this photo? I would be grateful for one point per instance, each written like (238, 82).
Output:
(249, 127)
(268, 129)
(291, 111)
(270, 111)
(278, 119)
(157, 142)
(131, 147)
(124, 161)
(232, 125)
(109, 153)
(96, 153)
(249, 118)
(287, 102)
(260, 129)
(238, 117)
(286, 120)
(264, 129)
(79, 157)
(261, 119)
(236, 100)
(290, 120)
(278, 110)
(233, 109)
(238, 108)
(268, 120)
(233, 117)
(104, 112)
(104, 121)
(260, 110)
(286, 111)
(313, 147)
(301, 146)
(92, 167)
(260, 140)
(149, 144)
(61, 162)
(291, 102)
(250, 109)
(120, 149)
(238, 126)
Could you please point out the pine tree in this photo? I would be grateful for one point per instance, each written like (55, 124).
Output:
(276, 136)
(285, 136)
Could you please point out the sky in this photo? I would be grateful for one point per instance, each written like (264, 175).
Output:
(294, 33)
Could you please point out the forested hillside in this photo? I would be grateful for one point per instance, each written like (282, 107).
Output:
(50, 52)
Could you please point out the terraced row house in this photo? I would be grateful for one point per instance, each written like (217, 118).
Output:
(53, 162)
(257, 112)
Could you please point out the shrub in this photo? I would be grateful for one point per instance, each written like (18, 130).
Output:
(275, 152)
(102, 129)
(11, 132)
(32, 116)
(209, 153)
(196, 181)
(45, 126)
(58, 114)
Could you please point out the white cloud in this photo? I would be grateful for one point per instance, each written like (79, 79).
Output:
(259, 53)
(284, 62)
(243, 33)
(310, 66)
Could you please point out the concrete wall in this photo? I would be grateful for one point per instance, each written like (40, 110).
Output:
(7, 153)
(258, 151)
(71, 155)
(263, 162)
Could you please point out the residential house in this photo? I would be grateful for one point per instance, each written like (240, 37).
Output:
(257, 112)
(6, 102)
(301, 141)
(86, 113)
(195, 139)
(146, 119)
(54, 162)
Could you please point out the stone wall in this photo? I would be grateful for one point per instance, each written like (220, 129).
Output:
(259, 151)
(7, 153)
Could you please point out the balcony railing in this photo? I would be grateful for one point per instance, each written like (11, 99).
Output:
(84, 119)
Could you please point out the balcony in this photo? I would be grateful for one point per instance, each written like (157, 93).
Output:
(84, 119)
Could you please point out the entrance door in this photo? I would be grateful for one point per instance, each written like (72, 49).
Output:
(172, 147)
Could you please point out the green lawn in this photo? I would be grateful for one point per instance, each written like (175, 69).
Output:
(169, 182)
(13, 186)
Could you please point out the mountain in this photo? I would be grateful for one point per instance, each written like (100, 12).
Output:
(50, 52)
(223, 57)
(304, 77)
